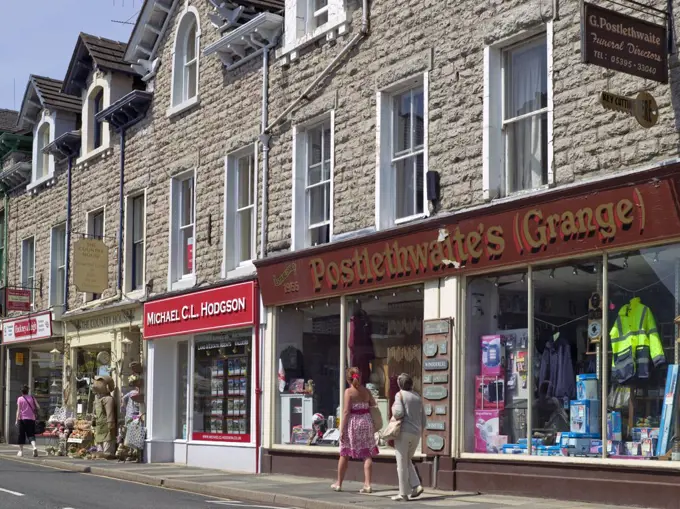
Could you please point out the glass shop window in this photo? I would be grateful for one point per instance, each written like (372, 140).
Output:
(222, 386)
(496, 359)
(308, 373)
(643, 313)
(385, 340)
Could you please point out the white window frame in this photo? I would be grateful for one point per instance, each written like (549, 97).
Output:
(28, 278)
(300, 227)
(129, 243)
(177, 281)
(301, 27)
(179, 100)
(232, 268)
(494, 166)
(46, 172)
(55, 270)
(87, 148)
(385, 209)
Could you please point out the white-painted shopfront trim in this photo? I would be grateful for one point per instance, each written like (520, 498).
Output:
(163, 386)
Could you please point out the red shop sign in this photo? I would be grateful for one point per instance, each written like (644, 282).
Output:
(207, 310)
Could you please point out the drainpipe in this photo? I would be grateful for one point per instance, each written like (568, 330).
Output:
(67, 265)
(264, 140)
(120, 204)
(5, 261)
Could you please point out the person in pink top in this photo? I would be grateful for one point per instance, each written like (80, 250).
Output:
(27, 413)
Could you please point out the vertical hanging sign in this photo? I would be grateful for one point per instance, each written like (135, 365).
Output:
(624, 43)
(437, 386)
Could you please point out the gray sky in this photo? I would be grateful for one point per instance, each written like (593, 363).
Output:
(38, 37)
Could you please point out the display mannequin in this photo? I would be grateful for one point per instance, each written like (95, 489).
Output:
(105, 418)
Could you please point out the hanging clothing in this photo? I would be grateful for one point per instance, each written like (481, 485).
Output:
(556, 374)
(635, 342)
(360, 344)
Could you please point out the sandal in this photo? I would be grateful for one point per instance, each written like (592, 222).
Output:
(398, 498)
(366, 490)
(336, 488)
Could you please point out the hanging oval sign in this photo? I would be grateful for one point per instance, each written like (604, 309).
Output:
(435, 392)
(430, 349)
(435, 442)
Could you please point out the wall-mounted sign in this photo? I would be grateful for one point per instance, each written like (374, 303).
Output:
(548, 227)
(90, 265)
(18, 299)
(624, 43)
(436, 386)
(204, 311)
(436, 425)
(643, 107)
(430, 349)
(435, 365)
(27, 328)
(19, 358)
(435, 443)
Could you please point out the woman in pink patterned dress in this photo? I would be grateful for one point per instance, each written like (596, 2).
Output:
(357, 438)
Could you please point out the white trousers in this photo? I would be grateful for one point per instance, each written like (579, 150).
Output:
(405, 445)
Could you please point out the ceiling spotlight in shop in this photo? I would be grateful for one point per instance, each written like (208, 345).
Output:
(376, 297)
(522, 279)
(328, 303)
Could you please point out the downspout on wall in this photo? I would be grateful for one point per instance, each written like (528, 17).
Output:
(121, 217)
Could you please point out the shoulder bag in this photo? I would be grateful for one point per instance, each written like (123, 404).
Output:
(377, 418)
(393, 428)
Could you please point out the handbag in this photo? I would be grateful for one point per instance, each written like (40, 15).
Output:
(377, 418)
(393, 428)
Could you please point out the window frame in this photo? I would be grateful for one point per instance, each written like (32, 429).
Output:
(302, 28)
(386, 205)
(494, 156)
(176, 281)
(179, 98)
(28, 280)
(97, 127)
(231, 264)
(40, 159)
(57, 270)
(301, 230)
(130, 242)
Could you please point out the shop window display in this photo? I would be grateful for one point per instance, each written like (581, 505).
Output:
(90, 362)
(222, 382)
(308, 367)
(385, 340)
(47, 381)
(182, 388)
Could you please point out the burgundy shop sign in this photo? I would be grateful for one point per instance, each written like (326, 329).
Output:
(550, 227)
(624, 43)
(203, 311)
(18, 299)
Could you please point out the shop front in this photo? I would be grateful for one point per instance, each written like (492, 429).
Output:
(33, 346)
(203, 372)
(563, 350)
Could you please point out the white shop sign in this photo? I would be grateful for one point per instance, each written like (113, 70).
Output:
(27, 328)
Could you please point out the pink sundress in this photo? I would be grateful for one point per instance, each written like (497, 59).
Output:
(359, 441)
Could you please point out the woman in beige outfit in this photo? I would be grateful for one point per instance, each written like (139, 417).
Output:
(408, 407)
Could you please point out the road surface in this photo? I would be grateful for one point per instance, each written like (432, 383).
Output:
(26, 486)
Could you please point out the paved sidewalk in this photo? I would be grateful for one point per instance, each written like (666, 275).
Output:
(290, 491)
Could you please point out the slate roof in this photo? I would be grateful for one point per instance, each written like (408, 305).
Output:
(94, 52)
(51, 96)
(8, 121)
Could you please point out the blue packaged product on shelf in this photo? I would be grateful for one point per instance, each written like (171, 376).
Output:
(584, 416)
(614, 426)
(587, 387)
(514, 449)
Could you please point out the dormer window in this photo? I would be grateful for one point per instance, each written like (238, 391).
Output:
(97, 106)
(307, 21)
(185, 62)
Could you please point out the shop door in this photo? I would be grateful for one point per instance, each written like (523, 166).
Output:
(18, 372)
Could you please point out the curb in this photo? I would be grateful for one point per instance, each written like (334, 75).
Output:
(193, 487)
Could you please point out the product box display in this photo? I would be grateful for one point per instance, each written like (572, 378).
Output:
(514, 449)
(614, 448)
(577, 443)
(584, 416)
(648, 447)
(487, 430)
(549, 450)
(587, 387)
(596, 447)
(639, 434)
(614, 426)
(493, 355)
(489, 393)
(631, 449)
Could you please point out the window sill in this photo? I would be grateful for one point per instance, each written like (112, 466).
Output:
(100, 151)
(245, 269)
(134, 294)
(46, 180)
(416, 217)
(183, 284)
(330, 31)
(173, 111)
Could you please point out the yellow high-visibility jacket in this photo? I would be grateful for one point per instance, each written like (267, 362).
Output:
(635, 342)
